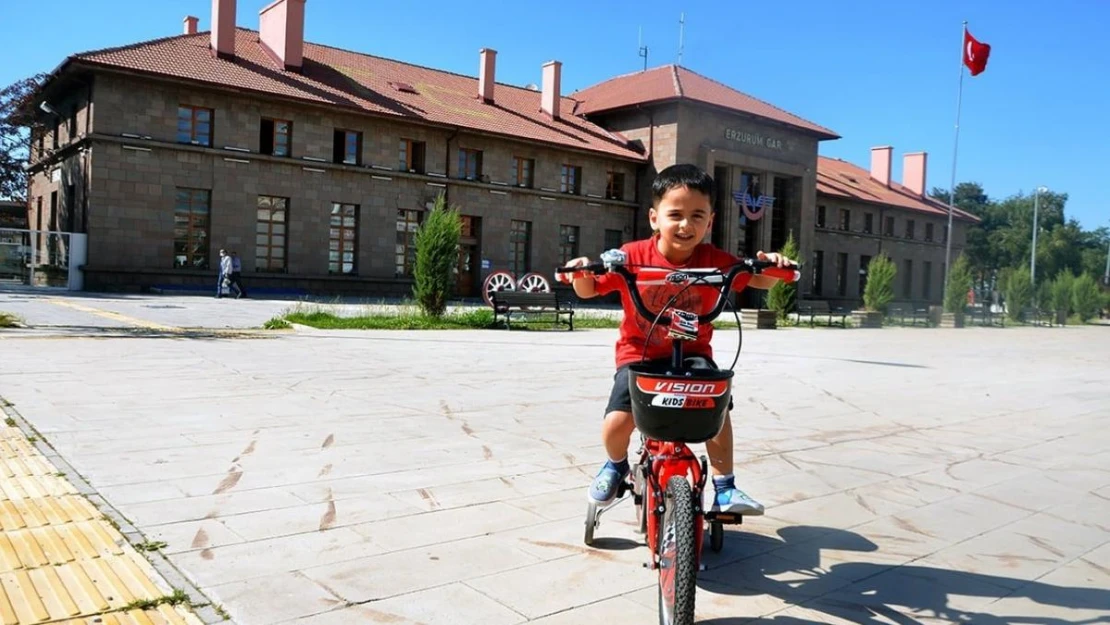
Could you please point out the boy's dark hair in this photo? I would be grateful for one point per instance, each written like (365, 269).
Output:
(683, 175)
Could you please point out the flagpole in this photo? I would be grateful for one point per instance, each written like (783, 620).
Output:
(955, 152)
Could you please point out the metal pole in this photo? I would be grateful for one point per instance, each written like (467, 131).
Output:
(1106, 276)
(955, 151)
(1033, 256)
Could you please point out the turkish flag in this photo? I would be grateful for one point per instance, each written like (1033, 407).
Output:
(976, 54)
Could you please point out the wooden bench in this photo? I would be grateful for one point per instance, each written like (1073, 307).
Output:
(904, 312)
(983, 316)
(820, 308)
(508, 304)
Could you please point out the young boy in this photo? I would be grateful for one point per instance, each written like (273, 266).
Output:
(681, 215)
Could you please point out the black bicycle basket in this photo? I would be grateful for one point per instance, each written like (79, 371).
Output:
(684, 407)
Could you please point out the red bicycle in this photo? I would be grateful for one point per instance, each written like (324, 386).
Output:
(672, 406)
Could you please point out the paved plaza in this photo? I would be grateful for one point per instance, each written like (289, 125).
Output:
(336, 477)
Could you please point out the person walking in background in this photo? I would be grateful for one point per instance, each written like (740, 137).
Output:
(237, 274)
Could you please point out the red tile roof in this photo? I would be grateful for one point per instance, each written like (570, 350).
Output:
(842, 179)
(674, 82)
(367, 83)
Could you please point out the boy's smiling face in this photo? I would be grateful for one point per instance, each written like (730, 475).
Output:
(682, 217)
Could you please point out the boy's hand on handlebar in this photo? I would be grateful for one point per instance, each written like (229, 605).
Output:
(778, 259)
(569, 278)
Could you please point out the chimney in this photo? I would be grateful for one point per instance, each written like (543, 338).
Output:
(550, 98)
(913, 172)
(486, 67)
(281, 28)
(223, 28)
(880, 164)
(190, 25)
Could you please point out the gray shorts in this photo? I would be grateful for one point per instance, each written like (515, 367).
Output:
(620, 399)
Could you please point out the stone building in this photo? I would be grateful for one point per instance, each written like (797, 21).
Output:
(316, 164)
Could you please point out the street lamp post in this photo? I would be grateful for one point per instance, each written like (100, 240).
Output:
(1033, 256)
(1106, 276)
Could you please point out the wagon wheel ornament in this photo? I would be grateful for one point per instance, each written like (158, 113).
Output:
(497, 281)
(533, 283)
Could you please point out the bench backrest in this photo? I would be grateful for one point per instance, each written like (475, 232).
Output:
(524, 298)
(818, 306)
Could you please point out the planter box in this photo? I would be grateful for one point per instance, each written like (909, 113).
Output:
(867, 319)
(952, 320)
(49, 276)
(761, 319)
(1061, 317)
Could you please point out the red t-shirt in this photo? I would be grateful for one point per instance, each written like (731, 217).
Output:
(699, 299)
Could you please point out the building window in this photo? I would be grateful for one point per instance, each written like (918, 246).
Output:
(71, 126)
(889, 229)
(821, 216)
(869, 223)
(270, 233)
(927, 285)
(346, 147)
(520, 247)
(522, 172)
(929, 232)
(194, 125)
(411, 156)
(568, 243)
(842, 274)
(275, 137)
(614, 186)
(909, 228)
(343, 239)
(818, 270)
(571, 180)
(613, 239)
(408, 222)
(57, 142)
(864, 261)
(470, 164)
(907, 284)
(845, 219)
(190, 228)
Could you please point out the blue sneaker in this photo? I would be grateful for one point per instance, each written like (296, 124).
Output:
(606, 485)
(732, 500)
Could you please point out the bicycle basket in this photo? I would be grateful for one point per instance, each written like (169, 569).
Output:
(687, 407)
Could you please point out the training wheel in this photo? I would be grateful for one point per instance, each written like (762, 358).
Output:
(497, 281)
(591, 524)
(716, 536)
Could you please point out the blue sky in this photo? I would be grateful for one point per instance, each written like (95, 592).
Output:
(876, 72)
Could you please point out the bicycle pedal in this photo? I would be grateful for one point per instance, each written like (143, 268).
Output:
(724, 518)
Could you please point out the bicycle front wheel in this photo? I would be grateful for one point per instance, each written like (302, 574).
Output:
(677, 555)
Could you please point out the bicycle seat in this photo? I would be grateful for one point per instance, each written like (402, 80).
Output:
(679, 406)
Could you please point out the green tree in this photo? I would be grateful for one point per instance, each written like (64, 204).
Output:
(1061, 292)
(1018, 291)
(437, 252)
(1086, 297)
(782, 296)
(16, 118)
(880, 283)
(959, 283)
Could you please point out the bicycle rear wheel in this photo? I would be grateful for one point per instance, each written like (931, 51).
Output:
(677, 555)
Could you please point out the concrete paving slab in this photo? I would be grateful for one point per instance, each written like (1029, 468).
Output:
(921, 476)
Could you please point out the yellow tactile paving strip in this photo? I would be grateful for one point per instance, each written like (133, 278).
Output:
(61, 561)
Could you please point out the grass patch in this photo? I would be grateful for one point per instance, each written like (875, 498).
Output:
(401, 320)
(179, 597)
(10, 422)
(277, 323)
(9, 320)
(151, 546)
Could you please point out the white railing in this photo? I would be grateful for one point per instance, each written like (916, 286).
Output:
(43, 258)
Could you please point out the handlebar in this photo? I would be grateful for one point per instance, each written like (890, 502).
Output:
(614, 261)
